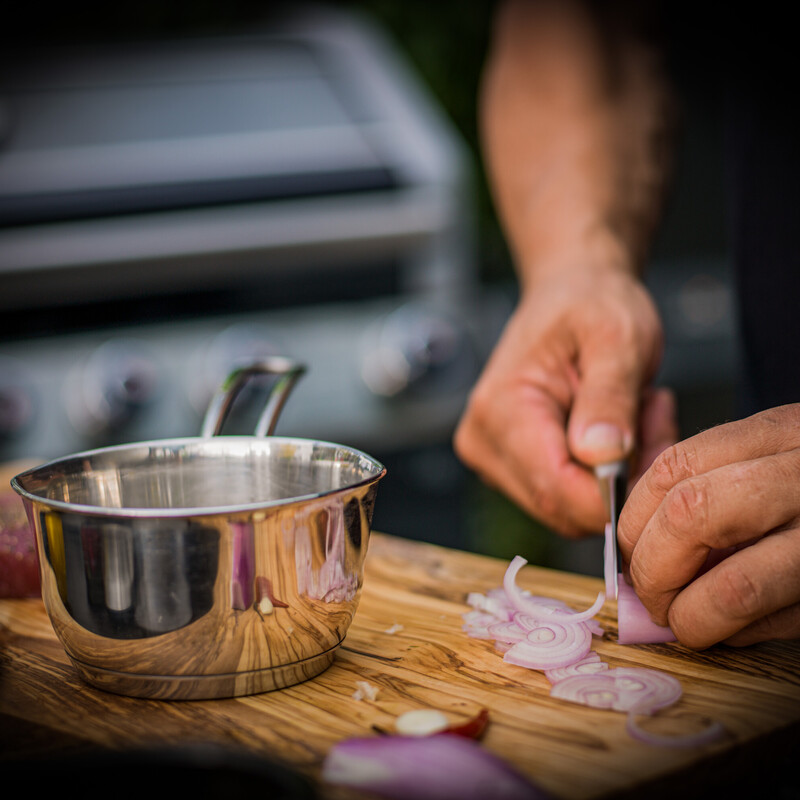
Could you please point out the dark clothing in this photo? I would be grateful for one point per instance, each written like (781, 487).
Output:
(763, 137)
(751, 67)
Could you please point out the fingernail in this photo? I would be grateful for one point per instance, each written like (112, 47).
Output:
(604, 436)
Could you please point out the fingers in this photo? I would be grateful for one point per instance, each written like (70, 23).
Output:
(724, 508)
(520, 447)
(783, 624)
(617, 356)
(770, 432)
(603, 418)
(751, 596)
(560, 394)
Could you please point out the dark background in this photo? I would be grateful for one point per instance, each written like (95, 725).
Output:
(446, 42)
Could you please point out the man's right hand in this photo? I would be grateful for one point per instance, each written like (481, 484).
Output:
(564, 390)
(577, 120)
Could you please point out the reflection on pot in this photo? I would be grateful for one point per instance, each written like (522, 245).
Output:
(243, 565)
(325, 575)
(133, 581)
(118, 567)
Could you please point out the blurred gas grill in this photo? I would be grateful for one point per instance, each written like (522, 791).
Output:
(169, 208)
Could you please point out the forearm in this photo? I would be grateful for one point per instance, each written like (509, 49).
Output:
(577, 122)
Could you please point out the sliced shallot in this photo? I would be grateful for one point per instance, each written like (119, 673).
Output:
(550, 646)
(476, 624)
(588, 665)
(508, 632)
(544, 633)
(529, 605)
(492, 604)
(621, 689)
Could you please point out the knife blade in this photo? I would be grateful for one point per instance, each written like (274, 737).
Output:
(613, 481)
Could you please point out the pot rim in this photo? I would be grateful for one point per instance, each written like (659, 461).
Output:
(188, 511)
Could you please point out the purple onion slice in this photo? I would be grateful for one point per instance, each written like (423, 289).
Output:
(529, 605)
(622, 689)
(437, 767)
(508, 632)
(545, 634)
(588, 665)
(550, 646)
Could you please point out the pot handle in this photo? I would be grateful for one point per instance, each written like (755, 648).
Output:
(220, 405)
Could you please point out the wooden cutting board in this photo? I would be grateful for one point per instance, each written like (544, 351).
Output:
(406, 642)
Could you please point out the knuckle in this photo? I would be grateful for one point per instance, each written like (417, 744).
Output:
(768, 628)
(686, 634)
(783, 472)
(737, 595)
(787, 427)
(621, 338)
(776, 429)
(781, 624)
(670, 467)
(620, 330)
(547, 506)
(478, 407)
(649, 586)
(468, 438)
(782, 417)
(462, 441)
(686, 508)
(644, 576)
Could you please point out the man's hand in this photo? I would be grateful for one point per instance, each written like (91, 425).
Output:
(563, 391)
(577, 118)
(712, 533)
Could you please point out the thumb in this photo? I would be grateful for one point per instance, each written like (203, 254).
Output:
(604, 413)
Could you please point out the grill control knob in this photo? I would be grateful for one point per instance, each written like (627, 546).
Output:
(417, 350)
(109, 391)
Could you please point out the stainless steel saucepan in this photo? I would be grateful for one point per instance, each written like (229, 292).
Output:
(204, 567)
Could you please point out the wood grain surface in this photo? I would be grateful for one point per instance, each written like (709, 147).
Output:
(406, 641)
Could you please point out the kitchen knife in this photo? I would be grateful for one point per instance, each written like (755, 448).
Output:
(613, 480)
